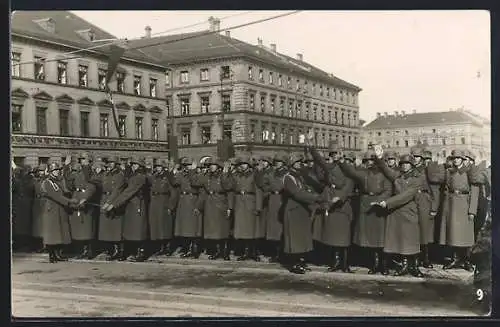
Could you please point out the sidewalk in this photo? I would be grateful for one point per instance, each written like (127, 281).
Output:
(432, 276)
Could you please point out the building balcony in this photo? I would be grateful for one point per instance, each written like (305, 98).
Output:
(37, 141)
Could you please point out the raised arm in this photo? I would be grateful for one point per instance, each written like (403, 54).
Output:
(298, 194)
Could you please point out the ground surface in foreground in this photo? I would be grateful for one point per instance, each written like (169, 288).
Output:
(172, 287)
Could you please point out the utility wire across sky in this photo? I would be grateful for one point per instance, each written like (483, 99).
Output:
(125, 41)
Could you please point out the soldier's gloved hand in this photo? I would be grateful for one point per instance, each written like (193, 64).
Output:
(196, 211)
(73, 202)
(471, 216)
(104, 206)
(256, 212)
(433, 213)
(169, 211)
(335, 199)
(228, 213)
(109, 207)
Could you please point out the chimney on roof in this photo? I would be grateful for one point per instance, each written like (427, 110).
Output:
(403, 112)
(385, 114)
(379, 115)
(273, 47)
(148, 31)
(260, 42)
(300, 57)
(396, 113)
(228, 33)
(214, 24)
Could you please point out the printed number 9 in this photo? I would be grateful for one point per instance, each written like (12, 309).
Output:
(479, 294)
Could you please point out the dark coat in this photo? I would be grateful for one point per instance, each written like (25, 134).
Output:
(297, 215)
(374, 186)
(82, 221)
(55, 208)
(187, 223)
(461, 199)
(213, 201)
(424, 204)
(272, 187)
(37, 208)
(111, 223)
(161, 207)
(246, 203)
(133, 199)
(402, 232)
(23, 201)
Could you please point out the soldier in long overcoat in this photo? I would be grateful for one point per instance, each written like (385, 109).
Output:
(261, 169)
(161, 209)
(112, 180)
(369, 231)
(22, 201)
(55, 208)
(37, 206)
(81, 220)
(402, 225)
(213, 203)
(300, 202)
(188, 223)
(135, 218)
(272, 186)
(246, 205)
(424, 204)
(460, 202)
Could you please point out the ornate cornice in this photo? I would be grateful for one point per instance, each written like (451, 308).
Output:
(19, 93)
(64, 98)
(86, 101)
(43, 96)
(139, 107)
(123, 105)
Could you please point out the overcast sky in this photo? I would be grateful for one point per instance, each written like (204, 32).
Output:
(422, 60)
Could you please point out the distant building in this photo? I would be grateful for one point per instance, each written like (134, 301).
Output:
(441, 132)
(60, 107)
(267, 98)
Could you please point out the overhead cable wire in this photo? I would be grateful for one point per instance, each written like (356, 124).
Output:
(193, 36)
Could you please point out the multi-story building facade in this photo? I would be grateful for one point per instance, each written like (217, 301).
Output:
(59, 105)
(440, 132)
(261, 99)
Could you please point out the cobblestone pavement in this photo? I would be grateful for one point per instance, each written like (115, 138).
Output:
(173, 287)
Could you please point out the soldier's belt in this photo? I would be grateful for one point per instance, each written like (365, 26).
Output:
(423, 191)
(80, 190)
(459, 192)
(212, 193)
(244, 193)
(188, 193)
(159, 193)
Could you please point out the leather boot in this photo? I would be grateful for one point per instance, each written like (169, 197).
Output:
(52, 255)
(84, 253)
(384, 268)
(297, 269)
(254, 252)
(413, 268)
(376, 263)
(276, 257)
(90, 252)
(122, 255)
(245, 255)
(113, 253)
(59, 255)
(140, 256)
(345, 261)
(168, 249)
(426, 263)
(196, 249)
(187, 250)
(217, 254)
(404, 270)
(226, 252)
(455, 263)
(336, 263)
(304, 265)
(160, 251)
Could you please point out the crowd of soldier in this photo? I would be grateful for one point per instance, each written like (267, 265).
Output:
(393, 207)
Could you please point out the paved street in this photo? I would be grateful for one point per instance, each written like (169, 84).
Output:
(174, 287)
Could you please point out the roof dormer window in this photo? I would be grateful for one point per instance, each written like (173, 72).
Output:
(48, 24)
(87, 34)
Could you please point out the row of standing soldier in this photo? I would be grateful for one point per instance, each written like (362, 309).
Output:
(292, 202)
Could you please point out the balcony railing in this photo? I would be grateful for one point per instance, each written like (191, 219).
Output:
(76, 142)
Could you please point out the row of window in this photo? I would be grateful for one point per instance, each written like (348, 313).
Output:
(64, 123)
(406, 143)
(333, 93)
(406, 132)
(83, 76)
(285, 136)
(295, 109)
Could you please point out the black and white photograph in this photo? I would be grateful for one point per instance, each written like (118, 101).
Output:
(296, 163)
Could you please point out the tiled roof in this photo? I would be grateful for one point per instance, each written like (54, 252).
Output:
(66, 26)
(421, 119)
(204, 45)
